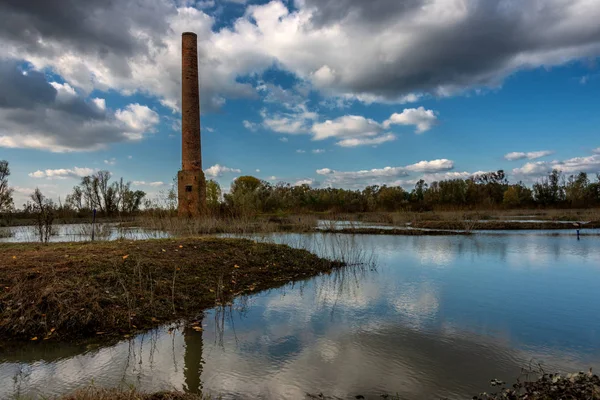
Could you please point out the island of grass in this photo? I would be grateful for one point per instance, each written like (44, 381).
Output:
(67, 291)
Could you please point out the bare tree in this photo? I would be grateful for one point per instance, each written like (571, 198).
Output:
(6, 200)
(43, 208)
(75, 200)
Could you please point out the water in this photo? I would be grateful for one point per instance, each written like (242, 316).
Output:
(79, 233)
(439, 317)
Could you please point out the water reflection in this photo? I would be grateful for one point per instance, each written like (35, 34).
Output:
(79, 233)
(439, 316)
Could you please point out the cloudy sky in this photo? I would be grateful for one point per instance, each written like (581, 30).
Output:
(339, 93)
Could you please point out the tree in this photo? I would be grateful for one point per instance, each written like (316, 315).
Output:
(213, 194)
(43, 209)
(6, 200)
(96, 191)
(548, 191)
(418, 193)
(244, 195)
(577, 190)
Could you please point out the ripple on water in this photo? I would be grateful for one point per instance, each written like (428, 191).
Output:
(439, 316)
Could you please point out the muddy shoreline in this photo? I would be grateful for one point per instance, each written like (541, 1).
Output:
(74, 291)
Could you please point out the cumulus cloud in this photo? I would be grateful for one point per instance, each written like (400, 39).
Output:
(596, 150)
(349, 126)
(589, 164)
(304, 182)
(317, 151)
(387, 175)
(251, 126)
(421, 118)
(297, 121)
(356, 130)
(300, 151)
(385, 50)
(354, 142)
(144, 183)
(63, 173)
(431, 166)
(35, 113)
(137, 119)
(532, 155)
(435, 177)
(111, 161)
(219, 170)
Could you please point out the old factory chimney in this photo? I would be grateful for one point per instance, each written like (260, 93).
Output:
(191, 186)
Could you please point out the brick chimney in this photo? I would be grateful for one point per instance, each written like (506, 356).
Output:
(190, 180)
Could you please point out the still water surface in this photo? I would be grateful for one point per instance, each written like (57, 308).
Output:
(79, 233)
(438, 317)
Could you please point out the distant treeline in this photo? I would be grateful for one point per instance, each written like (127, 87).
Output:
(488, 190)
(249, 195)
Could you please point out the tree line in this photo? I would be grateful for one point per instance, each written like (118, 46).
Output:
(250, 195)
(488, 190)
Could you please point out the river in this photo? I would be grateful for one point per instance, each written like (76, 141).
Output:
(428, 317)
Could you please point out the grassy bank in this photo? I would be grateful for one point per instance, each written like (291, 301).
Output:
(500, 225)
(65, 291)
(399, 231)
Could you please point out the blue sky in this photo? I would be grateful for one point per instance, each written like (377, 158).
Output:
(330, 93)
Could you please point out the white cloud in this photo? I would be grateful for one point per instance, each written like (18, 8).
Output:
(304, 182)
(99, 103)
(396, 51)
(349, 130)
(353, 142)
(300, 151)
(22, 190)
(387, 175)
(54, 117)
(65, 92)
(137, 119)
(208, 129)
(421, 118)
(589, 164)
(272, 178)
(219, 170)
(431, 166)
(318, 151)
(63, 173)
(434, 177)
(257, 170)
(152, 184)
(283, 139)
(297, 121)
(352, 131)
(596, 150)
(129, 157)
(251, 126)
(348, 126)
(111, 161)
(532, 155)
(324, 171)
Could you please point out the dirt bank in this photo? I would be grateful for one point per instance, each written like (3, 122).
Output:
(65, 291)
(501, 225)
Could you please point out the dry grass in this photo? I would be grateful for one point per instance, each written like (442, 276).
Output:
(241, 225)
(64, 291)
(467, 220)
(397, 232)
(96, 393)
